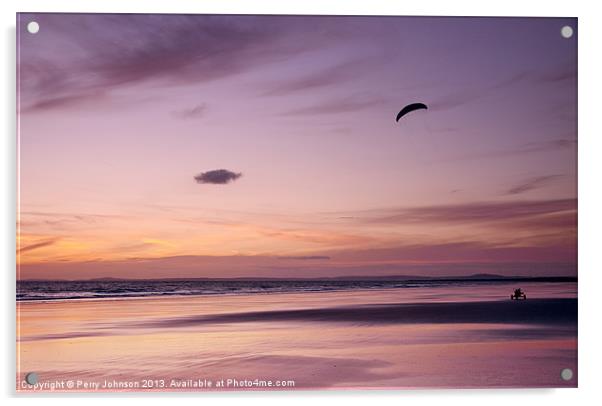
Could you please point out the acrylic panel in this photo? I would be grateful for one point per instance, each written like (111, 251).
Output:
(243, 203)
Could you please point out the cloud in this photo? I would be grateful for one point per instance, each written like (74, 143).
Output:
(552, 145)
(37, 245)
(94, 54)
(531, 184)
(460, 252)
(522, 149)
(340, 105)
(308, 258)
(332, 75)
(563, 143)
(457, 99)
(194, 112)
(217, 177)
(568, 73)
(461, 259)
(43, 223)
(469, 95)
(320, 237)
(68, 100)
(472, 212)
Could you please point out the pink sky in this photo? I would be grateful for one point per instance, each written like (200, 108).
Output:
(119, 113)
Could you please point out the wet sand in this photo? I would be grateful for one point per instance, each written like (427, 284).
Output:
(396, 338)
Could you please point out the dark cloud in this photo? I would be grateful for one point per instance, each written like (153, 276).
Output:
(217, 177)
(194, 112)
(531, 184)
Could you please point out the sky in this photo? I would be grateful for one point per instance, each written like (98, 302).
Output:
(181, 146)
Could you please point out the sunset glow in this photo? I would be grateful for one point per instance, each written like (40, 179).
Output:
(117, 118)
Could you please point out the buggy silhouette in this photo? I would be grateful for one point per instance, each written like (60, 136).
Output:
(518, 294)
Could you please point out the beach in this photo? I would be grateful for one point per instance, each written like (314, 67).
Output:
(443, 337)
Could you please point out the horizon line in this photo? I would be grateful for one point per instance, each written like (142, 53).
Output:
(473, 277)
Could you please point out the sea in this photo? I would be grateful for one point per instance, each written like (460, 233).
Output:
(32, 290)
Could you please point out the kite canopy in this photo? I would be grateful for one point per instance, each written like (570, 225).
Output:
(409, 108)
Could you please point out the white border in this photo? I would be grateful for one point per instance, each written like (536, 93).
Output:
(590, 201)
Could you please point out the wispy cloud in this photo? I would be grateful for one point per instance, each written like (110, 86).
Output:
(522, 149)
(531, 184)
(340, 105)
(307, 258)
(469, 95)
(556, 144)
(197, 111)
(318, 237)
(67, 100)
(38, 245)
(458, 252)
(471, 212)
(457, 99)
(329, 76)
(107, 51)
(64, 221)
(458, 258)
